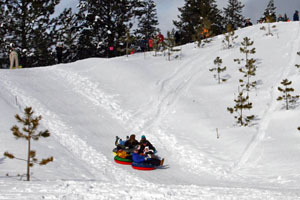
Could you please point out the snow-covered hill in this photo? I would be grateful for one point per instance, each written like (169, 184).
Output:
(178, 105)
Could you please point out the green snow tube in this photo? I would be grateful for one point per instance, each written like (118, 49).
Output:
(123, 161)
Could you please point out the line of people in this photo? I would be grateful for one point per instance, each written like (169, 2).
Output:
(139, 152)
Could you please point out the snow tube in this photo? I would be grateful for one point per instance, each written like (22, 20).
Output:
(142, 166)
(122, 161)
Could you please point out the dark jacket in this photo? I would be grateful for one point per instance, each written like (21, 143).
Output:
(141, 150)
(131, 144)
(248, 24)
(296, 16)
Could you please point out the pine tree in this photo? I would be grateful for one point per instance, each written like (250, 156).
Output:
(229, 37)
(285, 17)
(67, 33)
(170, 44)
(249, 69)
(4, 45)
(203, 33)
(129, 41)
(233, 14)
(286, 96)
(218, 61)
(192, 15)
(148, 21)
(270, 13)
(31, 28)
(30, 126)
(103, 25)
(242, 104)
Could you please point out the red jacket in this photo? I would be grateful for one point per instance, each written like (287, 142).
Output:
(161, 38)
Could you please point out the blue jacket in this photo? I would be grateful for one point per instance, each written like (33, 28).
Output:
(137, 158)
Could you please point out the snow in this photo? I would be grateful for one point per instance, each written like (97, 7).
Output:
(178, 105)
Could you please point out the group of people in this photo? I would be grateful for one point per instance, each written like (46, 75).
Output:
(286, 19)
(138, 151)
(158, 40)
(279, 19)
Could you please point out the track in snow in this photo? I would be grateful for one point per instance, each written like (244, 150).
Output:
(261, 130)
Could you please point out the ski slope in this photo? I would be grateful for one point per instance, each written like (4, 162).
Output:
(178, 105)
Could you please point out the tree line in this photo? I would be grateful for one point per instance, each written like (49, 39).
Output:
(100, 28)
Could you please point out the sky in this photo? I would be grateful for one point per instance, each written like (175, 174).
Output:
(167, 10)
(178, 105)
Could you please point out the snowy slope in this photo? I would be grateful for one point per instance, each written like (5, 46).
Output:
(178, 105)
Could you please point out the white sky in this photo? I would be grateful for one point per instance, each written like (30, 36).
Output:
(167, 10)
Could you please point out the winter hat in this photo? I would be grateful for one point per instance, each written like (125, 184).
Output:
(143, 137)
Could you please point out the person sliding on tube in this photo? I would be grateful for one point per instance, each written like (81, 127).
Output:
(138, 158)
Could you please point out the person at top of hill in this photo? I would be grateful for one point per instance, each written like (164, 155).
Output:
(280, 18)
(138, 158)
(150, 43)
(59, 52)
(131, 143)
(296, 16)
(248, 22)
(160, 38)
(13, 58)
(145, 143)
(177, 37)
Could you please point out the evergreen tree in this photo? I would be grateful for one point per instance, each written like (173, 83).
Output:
(242, 104)
(233, 14)
(129, 41)
(148, 22)
(203, 33)
(285, 17)
(270, 13)
(4, 46)
(103, 25)
(245, 49)
(229, 37)
(67, 33)
(30, 126)
(192, 15)
(286, 96)
(32, 30)
(218, 61)
(170, 44)
(249, 69)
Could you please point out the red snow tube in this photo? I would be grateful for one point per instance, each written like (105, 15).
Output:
(142, 166)
(122, 161)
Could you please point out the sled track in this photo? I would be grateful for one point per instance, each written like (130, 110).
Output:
(261, 130)
(171, 89)
(91, 91)
(97, 163)
(149, 120)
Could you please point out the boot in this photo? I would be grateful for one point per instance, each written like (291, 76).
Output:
(162, 162)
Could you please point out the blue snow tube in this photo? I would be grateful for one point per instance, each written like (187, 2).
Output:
(142, 166)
